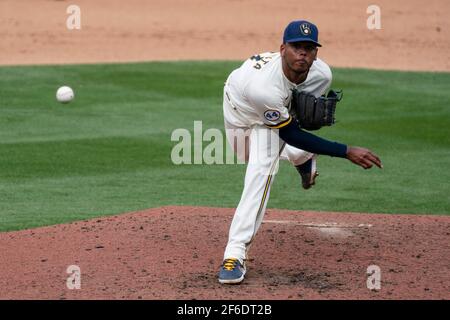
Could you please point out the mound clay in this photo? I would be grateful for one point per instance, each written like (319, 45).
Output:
(175, 253)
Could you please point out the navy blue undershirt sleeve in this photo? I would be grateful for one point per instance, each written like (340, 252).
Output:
(293, 135)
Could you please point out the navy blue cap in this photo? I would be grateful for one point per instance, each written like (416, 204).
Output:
(301, 30)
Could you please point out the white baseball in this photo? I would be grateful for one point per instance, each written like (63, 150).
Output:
(65, 94)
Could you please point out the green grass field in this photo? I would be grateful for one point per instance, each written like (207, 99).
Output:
(109, 150)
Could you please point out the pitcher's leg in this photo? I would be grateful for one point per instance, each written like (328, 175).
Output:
(295, 156)
(261, 169)
(304, 162)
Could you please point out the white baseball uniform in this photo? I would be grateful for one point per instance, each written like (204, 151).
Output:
(256, 101)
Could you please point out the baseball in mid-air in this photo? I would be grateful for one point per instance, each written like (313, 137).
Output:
(64, 94)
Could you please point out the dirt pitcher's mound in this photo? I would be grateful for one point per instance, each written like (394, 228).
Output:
(175, 253)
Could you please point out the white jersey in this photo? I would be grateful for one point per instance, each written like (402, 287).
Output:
(259, 92)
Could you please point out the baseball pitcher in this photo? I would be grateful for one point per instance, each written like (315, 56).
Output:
(268, 104)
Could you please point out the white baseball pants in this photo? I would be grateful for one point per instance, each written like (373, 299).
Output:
(261, 148)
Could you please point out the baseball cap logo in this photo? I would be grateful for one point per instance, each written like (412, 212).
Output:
(305, 29)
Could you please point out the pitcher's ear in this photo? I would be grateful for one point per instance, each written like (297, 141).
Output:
(282, 48)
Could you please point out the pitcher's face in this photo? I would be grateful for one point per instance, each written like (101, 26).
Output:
(299, 56)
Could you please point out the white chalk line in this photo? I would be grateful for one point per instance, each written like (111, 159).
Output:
(320, 225)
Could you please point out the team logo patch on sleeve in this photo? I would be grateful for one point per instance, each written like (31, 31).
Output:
(272, 115)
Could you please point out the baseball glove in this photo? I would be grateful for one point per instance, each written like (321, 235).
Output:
(313, 113)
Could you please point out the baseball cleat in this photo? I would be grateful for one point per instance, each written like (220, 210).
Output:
(232, 271)
(308, 172)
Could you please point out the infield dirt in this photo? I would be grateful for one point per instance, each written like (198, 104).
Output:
(413, 35)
